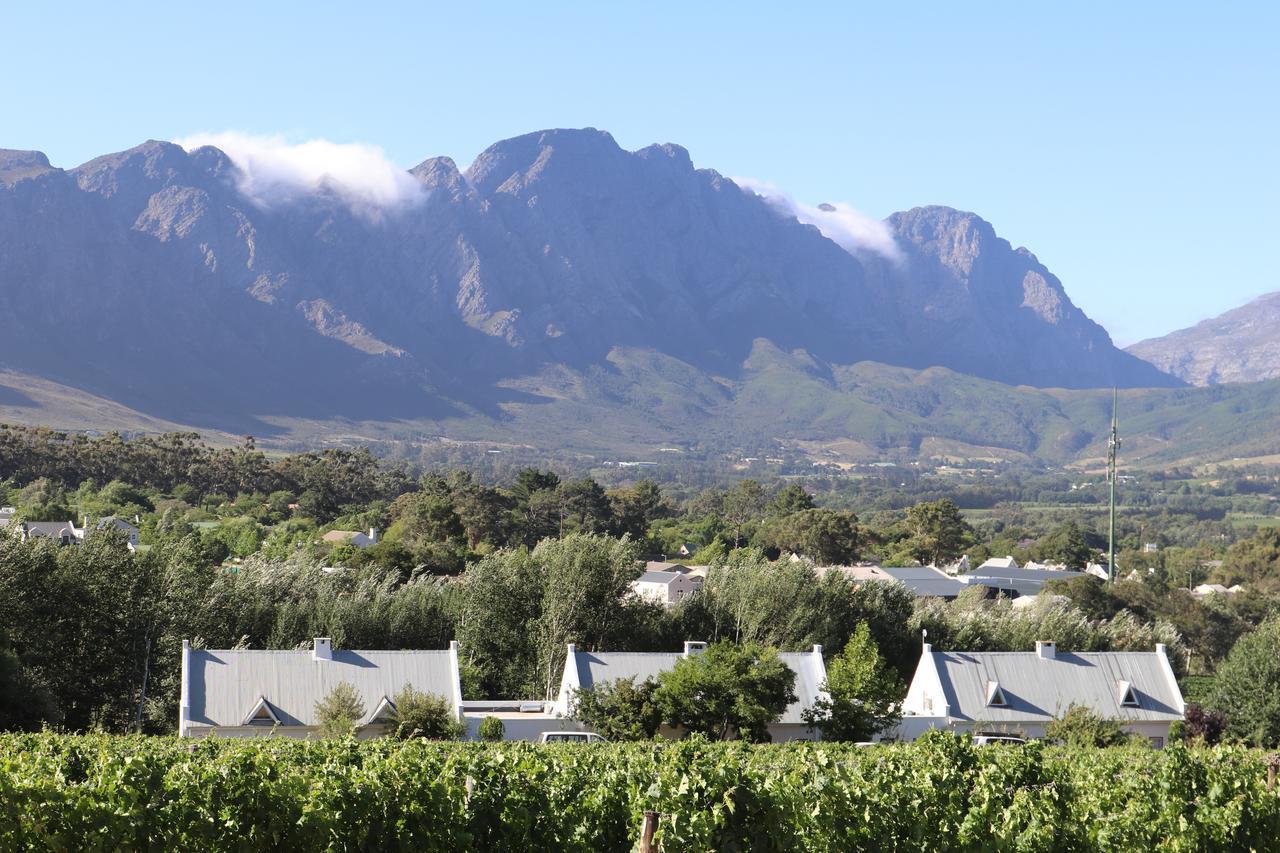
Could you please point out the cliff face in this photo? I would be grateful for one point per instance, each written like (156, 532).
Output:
(1242, 345)
(148, 277)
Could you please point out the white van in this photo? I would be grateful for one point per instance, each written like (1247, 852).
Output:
(570, 737)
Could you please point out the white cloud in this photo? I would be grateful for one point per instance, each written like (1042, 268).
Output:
(840, 223)
(273, 171)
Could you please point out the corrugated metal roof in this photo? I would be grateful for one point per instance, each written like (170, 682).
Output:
(224, 686)
(659, 577)
(1022, 581)
(1039, 689)
(601, 667)
(924, 581)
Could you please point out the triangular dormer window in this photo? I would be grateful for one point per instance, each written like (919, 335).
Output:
(384, 713)
(262, 714)
(995, 696)
(1128, 698)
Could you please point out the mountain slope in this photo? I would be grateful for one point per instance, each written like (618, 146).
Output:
(1242, 345)
(556, 262)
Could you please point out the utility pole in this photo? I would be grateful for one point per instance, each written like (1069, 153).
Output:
(1113, 446)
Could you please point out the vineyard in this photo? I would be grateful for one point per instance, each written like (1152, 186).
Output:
(97, 792)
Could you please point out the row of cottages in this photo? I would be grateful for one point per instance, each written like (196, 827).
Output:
(66, 532)
(585, 670)
(246, 693)
(1022, 692)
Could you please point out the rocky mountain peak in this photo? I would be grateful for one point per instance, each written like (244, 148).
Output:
(20, 165)
(1241, 345)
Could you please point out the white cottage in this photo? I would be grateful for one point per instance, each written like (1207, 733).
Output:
(667, 588)
(1022, 692)
(250, 693)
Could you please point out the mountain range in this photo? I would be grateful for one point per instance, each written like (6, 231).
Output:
(560, 289)
(1242, 345)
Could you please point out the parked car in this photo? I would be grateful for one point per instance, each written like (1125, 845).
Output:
(570, 737)
(988, 740)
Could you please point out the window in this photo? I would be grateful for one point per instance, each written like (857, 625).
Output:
(384, 713)
(261, 715)
(1157, 742)
(995, 696)
(1128, 698)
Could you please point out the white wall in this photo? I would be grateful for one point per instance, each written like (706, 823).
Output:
(913, 727)
(525, 727)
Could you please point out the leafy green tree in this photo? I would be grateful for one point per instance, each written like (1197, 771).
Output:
(727, 692)
(936, 533)
(828, 537)
(485, 513)
(1252, 559)
(24, 704)
(425, 518)
(742, 505)
(1066, 544)
(584, 507)
(501, 606)
(790, 499)
(339, 711)
(619, 710)
(1080, 727)
(1247, 687)
(863, 694)
(425, 715)
(584, 581)
(635, 509)
(43, 500)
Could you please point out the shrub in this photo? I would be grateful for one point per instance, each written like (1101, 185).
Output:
(619, 710)
(491, 729)
(1204, 724)
(425, 715)
(1079, 726)
(339, 711)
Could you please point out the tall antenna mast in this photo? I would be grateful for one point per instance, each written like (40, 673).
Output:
(1113, 447)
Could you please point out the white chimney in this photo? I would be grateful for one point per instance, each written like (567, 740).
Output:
(1045, 649)
(323, 649)
(693, 647)
(373, 535)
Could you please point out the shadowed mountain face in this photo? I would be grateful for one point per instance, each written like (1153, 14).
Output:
(147, 277)
(1242, 345)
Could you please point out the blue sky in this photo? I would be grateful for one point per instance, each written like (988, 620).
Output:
(1133, 147)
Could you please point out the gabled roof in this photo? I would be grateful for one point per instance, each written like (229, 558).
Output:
(595, 668)
(117, 523)
(223, 685)
(51, 529)
(1037, 688)
(662, 577)
(660, 566)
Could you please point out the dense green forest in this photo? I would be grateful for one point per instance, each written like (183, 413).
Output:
(514, 564)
